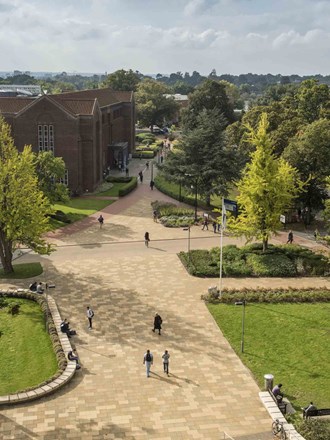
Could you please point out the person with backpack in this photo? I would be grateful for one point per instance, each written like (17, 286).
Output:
(157, 323)
(90, 315)
(148, 360)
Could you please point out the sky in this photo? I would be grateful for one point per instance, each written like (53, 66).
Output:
(165, 36)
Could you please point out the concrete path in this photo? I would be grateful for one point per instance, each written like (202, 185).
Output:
(208, 390)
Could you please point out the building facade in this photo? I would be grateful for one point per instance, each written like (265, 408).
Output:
(92, 130)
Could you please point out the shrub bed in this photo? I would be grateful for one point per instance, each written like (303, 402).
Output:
(173, 216)
(118, 179)
(277, 261)
(142, 136)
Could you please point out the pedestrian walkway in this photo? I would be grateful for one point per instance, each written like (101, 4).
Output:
(208, 391)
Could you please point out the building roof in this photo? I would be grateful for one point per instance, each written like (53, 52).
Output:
(14, 104)
(104, 96)
(77, 106)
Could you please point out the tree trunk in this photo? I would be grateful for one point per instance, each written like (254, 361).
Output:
(264, 244)
(6, 254)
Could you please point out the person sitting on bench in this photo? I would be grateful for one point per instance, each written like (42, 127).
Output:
(33, 286)
(65, 328)
(277, 392)
(73, 357)
(310, 407)
(40, 289)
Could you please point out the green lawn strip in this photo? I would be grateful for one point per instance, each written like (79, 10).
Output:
(27, 270)
(27, 357)
(78, 208)
(113, 191)
(290, 341)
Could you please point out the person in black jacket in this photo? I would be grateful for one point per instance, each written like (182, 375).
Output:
(157, 323)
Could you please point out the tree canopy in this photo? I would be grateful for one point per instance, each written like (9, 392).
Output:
(268, 187)
(125, 80)
(203, 156)
(24, 208)
(152, 104)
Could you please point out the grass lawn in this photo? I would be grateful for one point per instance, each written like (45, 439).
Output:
(113, 191)
(78, 208)
(27, 270)
(290, 341)
(27, 357)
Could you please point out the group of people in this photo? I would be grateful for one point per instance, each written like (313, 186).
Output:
(37, 287)
(216, 226)
(148, 358)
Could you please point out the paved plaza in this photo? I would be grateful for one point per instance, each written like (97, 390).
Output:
(208, 391)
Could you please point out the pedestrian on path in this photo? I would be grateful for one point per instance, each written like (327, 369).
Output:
(90, 316)
(152, 184)
(127, 172)
(147, 165)
(141, 176)
(148, 360)
(205, 224)
(146, 239)
(290, 237)
(214, 224)
(101, 221)
(166, 358)
(154, 215)
(157, 323)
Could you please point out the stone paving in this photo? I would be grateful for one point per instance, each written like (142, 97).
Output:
(208, 391)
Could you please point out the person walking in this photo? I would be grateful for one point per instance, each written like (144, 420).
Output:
(214, 224)
(148, 360)
(166, 357)
(152, 184)
(205, 224)
(147, 165)
(90, 316)
(127, 171)
(157, 323)
(154, 215)
(141, 176)
(290, 237)
(100, 220)
(146, 239)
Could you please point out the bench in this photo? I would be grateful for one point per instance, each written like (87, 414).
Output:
(281, 404)
(315, 412)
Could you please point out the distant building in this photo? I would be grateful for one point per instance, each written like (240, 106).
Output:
(182, 100)
(16, 90)
(91, 130)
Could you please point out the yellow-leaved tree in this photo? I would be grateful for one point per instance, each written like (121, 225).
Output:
(24, 208)
(268, 187)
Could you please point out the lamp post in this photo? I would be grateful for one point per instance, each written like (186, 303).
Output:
(242, 303)
(188, 229)
(196, 191)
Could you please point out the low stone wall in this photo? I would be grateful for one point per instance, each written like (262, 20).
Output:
(60, 381)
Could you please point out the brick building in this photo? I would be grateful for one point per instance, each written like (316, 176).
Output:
(91, 130)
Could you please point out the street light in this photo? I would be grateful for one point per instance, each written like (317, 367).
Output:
(188, 229)
(242, 303)
(196, 192)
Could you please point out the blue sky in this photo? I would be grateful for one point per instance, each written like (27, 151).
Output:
(164, 36)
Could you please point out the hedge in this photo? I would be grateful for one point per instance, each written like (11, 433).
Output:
(262, 295)
(128, 187)
(118, 179)
(144, 155)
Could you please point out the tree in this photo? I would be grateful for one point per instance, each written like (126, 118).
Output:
(152, 104)
(267, 189)
(204, 158)
(311, 97)
(123, 80)
(23, 207)
(50, 170)
(210, 95)
(309, 152)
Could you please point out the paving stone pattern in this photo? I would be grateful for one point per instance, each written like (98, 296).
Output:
(208, 391)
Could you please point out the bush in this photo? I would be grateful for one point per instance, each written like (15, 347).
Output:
(268, 265)
(314, 429)
(168, 209)
(13, 308)
(60, 216)
(175, 221)
(132, 184)
(142, 136)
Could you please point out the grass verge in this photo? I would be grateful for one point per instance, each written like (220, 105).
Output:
(21, 271)
(27, 357)
(290, 341)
